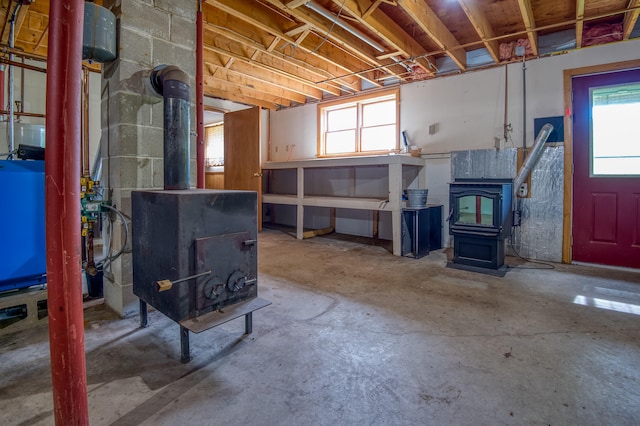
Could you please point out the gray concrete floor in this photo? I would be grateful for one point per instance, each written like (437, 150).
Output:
(356, 336)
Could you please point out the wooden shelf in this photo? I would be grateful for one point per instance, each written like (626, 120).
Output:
(396, 168)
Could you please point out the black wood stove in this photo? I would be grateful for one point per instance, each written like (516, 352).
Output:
(480, 220)
(195, 251)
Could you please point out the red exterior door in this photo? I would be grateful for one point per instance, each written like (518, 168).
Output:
(606, 205)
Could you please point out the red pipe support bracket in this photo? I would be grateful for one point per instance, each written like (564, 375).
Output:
(200, 148)
(62, 191)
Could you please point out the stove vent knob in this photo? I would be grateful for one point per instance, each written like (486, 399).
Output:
(236, 281)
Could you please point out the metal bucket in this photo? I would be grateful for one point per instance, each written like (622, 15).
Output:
(417, 197)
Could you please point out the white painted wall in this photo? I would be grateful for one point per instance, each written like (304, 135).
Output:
(468, 110)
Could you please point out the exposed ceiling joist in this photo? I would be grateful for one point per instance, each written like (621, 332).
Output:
(330, 26)
(529, 24)
(422, 14)
(483, 27)
(272, 23)
(630, 19)
(388, 30)
(579, 22)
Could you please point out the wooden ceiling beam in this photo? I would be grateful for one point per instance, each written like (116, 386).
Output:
(630, 19)
(311, 67)
(20, 19)
(579, 22)
(388, 30)
(243, 80)
(221, 92)
(340, 36)
(272, 23)
(252, 71)
(424, 16)
(234, 82)
(268, 65)
(483, 27)
(529, 24)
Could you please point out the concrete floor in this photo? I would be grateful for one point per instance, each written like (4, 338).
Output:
(356, 336)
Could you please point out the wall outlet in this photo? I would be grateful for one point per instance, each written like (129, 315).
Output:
(523, 190)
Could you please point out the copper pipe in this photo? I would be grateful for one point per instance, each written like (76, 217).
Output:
(21, 53)
(63, 244)
(21, 65)
(23, 114)
(200, 147)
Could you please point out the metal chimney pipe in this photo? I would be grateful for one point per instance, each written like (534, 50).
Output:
(533, 157)
(173, 85)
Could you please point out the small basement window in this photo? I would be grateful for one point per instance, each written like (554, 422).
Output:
(214, 151)
(361, 125)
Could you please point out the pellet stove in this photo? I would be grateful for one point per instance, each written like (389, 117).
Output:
(480, 220)
(195, 251)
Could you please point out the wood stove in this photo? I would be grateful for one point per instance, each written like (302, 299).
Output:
(195, 251)
(480, 219)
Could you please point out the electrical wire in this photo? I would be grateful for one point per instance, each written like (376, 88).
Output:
(104, 263)
(333, 24)
(545, 264)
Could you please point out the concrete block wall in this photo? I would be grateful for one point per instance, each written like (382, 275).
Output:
(150, 33)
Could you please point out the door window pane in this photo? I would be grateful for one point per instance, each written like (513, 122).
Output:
(615, 138)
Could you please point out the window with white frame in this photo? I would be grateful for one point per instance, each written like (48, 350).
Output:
(362, 125)
(214, 152)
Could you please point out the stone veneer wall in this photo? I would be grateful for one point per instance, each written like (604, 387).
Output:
(150, 33)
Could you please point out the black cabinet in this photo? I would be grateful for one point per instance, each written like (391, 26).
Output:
(421, 230)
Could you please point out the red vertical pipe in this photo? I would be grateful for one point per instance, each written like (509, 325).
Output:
(199, 98)
(62, 186)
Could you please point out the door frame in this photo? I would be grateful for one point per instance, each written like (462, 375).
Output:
(568, 143)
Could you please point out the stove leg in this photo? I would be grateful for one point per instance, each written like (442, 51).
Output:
(143, 314)
(248, 323)
(184, 345)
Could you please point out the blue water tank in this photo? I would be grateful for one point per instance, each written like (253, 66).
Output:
(23, 261)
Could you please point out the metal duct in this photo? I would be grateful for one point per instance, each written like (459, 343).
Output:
(173, 85)
(534, 156)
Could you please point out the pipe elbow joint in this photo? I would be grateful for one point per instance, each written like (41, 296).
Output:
(170, 81)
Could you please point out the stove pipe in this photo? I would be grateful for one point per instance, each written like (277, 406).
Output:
(173, 85)
(534, 156)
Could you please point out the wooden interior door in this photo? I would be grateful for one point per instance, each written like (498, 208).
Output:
(606, 207)
(242, 153)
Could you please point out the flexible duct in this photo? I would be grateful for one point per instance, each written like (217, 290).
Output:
(173, 85)
(533, 157)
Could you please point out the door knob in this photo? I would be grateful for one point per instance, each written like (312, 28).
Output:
(256, 174)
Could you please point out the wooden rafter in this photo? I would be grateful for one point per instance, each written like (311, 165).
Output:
(630, 19)
(435, 29)
(259, 90)
(579, 22)
(265, 20)
(271, 64)
(483, 27)
(529, 24)
(252, 71)
(388, 30)
(338, 35)
(310, 68)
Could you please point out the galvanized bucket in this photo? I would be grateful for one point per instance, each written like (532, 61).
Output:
(417, 197)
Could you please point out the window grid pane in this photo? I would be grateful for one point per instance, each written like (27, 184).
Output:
(365, 125)
(379, 113)
(214, 151)
(615, 143)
